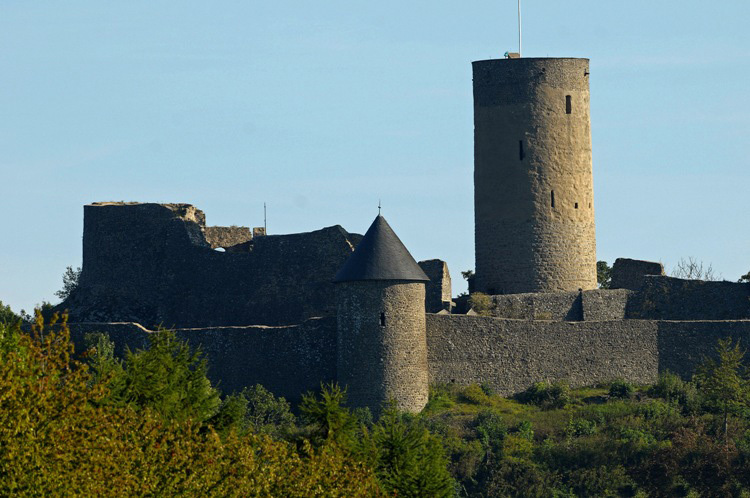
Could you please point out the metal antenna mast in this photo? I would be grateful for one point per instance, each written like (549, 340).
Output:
(265, 221)
(519, 28)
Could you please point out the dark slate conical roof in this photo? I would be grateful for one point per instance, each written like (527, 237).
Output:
(380, 256)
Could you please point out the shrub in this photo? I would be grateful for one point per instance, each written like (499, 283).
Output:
(546, 395)
(621, 389)
(473, 393)
(481, 303)
(440, 399)
(491, 430)
(672, 388)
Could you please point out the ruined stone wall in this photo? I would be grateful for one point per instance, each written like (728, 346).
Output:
(669, 298)
(533, 183)
(151, 263)
(287, 361)
(438, 291)
(546, 306)
(631, 273)
(227, 237)
(382, 350)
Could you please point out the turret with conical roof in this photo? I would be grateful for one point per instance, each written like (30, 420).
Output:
(382, 345)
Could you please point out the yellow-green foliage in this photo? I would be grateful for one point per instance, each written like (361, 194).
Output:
(58, 438)
(481, 303)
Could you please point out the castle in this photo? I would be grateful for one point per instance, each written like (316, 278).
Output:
(292, 311)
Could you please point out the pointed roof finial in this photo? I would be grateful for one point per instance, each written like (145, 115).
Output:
(378, 207)
(380, 255)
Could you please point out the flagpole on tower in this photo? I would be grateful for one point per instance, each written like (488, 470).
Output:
(519, 28)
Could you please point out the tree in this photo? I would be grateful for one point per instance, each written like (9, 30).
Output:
(745, 277)
(725, 383)
(692, 269)
(603, 274)
(170, 378)
(410, 461)
(71, 278)
(7, 316)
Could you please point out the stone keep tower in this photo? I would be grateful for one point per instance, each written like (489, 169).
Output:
(382, 344)
(533, 184)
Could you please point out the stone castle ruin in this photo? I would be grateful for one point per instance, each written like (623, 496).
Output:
(292, 311)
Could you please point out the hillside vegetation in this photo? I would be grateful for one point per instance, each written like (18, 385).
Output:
(152, 424)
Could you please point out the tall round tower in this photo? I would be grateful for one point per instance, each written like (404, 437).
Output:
(533, 184)
(382, 343)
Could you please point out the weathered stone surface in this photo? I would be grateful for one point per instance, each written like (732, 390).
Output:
(542, 306)
(382, 350)
(605, 304)
(438, 290)
(287, 361)
(528, 149)
(152, 264)
(669, 298)
(510, 355)
(227, 237)
(631, 273)
(507, 354)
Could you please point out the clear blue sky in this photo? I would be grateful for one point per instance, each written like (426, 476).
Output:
(322, 108)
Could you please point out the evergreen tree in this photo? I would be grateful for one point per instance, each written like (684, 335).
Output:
(168, 377)
(724, 383)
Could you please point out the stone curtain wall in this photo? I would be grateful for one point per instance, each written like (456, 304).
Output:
(151, 263)
(288, 361)
(527, 146)
(669, 298)
(510, 355)
(382, 350)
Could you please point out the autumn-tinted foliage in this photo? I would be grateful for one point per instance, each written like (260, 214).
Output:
(59, 435)
(152, 424)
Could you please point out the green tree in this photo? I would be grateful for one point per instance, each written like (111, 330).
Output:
(170, 378)
(603, 275)
(745, 277)
(329, 420)
(724, 383)
(71, 277)
(7, 316)
(410, 461)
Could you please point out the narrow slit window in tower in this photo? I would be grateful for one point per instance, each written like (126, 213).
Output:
(552, 198)
(521, 153)
(576, 205)
(568, 104)
(382, 319)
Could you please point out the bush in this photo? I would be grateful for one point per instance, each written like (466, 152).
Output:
(547, 396)
(491, 431)
(473, 393)
(673, 389)
(621, 389)
(481, 303)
